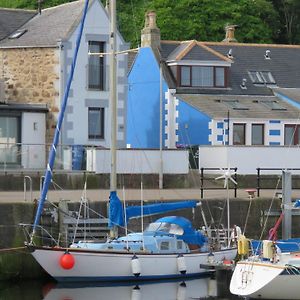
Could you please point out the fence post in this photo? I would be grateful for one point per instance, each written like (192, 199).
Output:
(235, 185)
(258, 181)
(201, 181)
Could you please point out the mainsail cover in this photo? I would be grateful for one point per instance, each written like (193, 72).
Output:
(117, 215)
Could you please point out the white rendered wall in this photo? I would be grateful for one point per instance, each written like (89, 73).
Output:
(247, 158)
(75, 129)
(131, 161)
(33, 140)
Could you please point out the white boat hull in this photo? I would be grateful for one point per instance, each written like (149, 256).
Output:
(113, 266)
(261, 280)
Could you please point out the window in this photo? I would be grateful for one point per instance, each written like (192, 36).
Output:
(220, 76)
(234, 104)
(257, 134)
(17, 34)
(262, 77)
(239, 137)
(272, 104)
(179, 245)
(9, 139)
(292, 134)
(200, 76)
(96, 66)
(164, 246)
(96, 123)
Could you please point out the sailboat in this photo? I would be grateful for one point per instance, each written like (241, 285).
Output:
(272, 271)
(169, 247)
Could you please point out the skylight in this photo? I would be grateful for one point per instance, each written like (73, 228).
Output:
(262, 77)
(235, 104)
(17, 34)
(272, 104)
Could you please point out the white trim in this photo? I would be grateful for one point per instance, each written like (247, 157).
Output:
(212, 63)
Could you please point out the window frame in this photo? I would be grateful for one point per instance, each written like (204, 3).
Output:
(296, 139)
(262, 134)
(214, 76)
(101, 134)
(244, 134)
(17, 117)
(100, 86)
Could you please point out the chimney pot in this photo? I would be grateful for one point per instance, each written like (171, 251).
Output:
(150, 33)
(229, 37)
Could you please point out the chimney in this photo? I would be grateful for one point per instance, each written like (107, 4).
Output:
(150, 36)
(229, 38)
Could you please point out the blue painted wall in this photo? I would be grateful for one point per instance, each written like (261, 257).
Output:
(143, 101)
(143, 108)
(193, 126)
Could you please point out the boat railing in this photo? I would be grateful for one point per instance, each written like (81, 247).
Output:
(218, 237)
(40, 238)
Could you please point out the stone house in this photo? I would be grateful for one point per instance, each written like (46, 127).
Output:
(35, 60)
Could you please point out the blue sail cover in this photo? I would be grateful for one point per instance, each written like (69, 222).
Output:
(152, 209)
(116, 209)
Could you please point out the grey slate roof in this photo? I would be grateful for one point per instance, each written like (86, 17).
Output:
(12, 19)
(293, 94)
(213, 106)
(47, 28)
(284, 66)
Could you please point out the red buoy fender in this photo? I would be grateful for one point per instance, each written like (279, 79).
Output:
(67, 261)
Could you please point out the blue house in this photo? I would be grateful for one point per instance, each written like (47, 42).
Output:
(214, 93)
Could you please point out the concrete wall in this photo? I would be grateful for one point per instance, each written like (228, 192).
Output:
(247, 158)
(134, 161)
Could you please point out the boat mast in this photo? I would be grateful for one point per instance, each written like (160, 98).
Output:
(113, 96)
(113, 106)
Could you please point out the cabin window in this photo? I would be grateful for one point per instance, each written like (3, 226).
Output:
(96, 123)
(179, 245)
(239, 136)
(202, 76)
(10, 139)
(164, 245)
(96, 66)
(292, 134)
(257, 135)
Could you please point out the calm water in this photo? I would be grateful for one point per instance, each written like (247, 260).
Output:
(199, 288)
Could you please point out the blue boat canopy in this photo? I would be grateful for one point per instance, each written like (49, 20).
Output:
(190, 235)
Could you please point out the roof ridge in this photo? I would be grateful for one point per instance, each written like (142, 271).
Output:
(61, 5)
(186, 50)
(252, 45)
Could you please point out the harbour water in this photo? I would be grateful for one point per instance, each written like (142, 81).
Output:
(199, 288)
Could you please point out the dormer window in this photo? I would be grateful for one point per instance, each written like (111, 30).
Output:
(202, 76)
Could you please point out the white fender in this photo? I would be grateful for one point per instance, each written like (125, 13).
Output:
(135, 266)
(181, 265)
